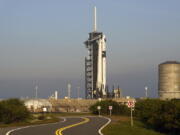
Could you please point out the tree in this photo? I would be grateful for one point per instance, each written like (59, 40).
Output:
(117, 108)
(13, 110)
(161, 115)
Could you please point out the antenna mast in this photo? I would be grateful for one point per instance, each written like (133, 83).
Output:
(36, 88)
(69, 90)
(95, 20)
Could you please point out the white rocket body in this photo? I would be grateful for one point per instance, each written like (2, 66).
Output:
(101, 66)
(104, 65)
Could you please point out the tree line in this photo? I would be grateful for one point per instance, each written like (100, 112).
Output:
(117, 109)
(160, 115)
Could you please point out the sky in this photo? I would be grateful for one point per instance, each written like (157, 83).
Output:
(41, 43)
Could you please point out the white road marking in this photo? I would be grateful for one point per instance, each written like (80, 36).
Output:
(9, 132)
(64, 119)
(99, 131)
(109, 120)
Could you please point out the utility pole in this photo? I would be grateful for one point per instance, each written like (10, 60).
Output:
(146, 91)
(132, 117)
(36, 89)
(78, 89)
(69, 90)
(131, 105)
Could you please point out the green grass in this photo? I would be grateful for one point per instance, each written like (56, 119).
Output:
(124, 128)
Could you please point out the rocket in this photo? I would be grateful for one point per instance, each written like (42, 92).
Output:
(101, 66)
(95, 63)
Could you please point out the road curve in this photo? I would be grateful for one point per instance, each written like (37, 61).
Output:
(72, 126)
(90, 128)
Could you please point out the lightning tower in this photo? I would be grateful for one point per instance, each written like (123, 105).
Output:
(95, 63)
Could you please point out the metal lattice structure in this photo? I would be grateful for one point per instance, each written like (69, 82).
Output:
(95, 64)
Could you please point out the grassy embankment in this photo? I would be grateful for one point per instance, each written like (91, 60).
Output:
(34, 120)
(37, 119)
(120, 125)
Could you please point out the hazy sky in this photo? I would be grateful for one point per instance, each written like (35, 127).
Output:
(42, 40)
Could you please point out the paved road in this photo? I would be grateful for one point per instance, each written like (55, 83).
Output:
(72, 126)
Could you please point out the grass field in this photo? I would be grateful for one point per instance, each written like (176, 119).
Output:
(121, 126)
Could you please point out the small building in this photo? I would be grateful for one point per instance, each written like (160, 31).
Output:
(38, 105)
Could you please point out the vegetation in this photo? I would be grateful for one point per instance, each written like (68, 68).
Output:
(151, 115)
(14, 113)
(13, 110)
(163, 116)
(34, 120)
(117, 108)
(121, 126)
(41, 118)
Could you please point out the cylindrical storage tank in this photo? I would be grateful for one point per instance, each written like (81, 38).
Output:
(169, 80)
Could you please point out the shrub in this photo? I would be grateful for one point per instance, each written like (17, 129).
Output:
(163, 116)
(13, 110)
(41, 117)
(117, 109)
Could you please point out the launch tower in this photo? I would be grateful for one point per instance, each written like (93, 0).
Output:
(95, 63)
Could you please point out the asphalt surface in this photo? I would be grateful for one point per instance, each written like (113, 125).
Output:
(89, 128)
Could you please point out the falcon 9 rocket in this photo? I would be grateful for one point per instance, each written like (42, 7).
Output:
(95, 63)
